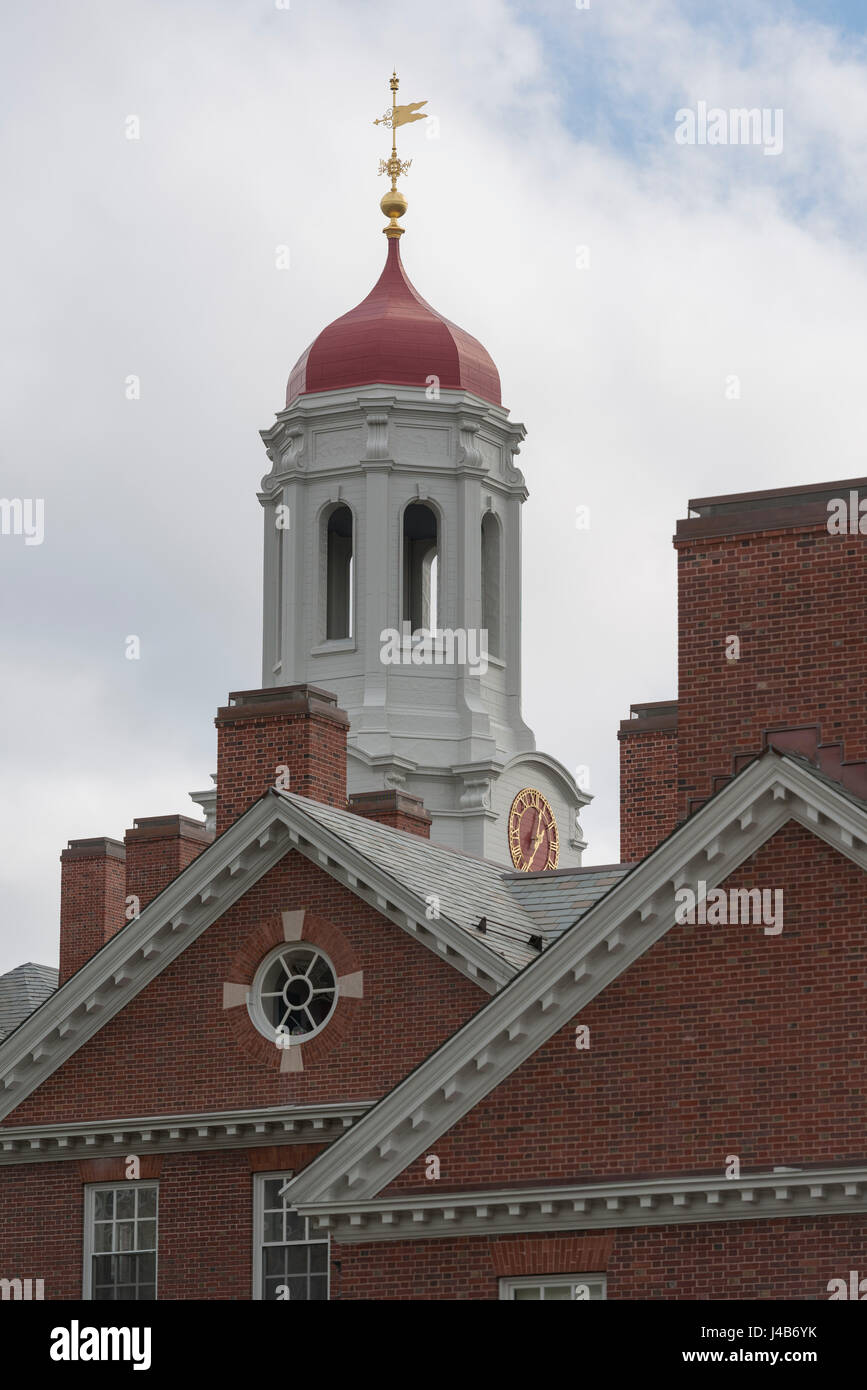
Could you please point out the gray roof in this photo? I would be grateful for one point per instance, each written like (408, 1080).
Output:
(516, 906)
(557, 899)
(21, 991)
(467, 888)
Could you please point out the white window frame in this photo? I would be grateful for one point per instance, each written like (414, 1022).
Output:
(90, 1192)
(539, 1281)
(255, 1008)
(259, 1180)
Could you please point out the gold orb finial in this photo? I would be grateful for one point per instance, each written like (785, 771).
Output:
(394, 204)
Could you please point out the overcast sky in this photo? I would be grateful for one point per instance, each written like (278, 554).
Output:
(156, 257)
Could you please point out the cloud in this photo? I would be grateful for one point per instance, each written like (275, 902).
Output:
(156, 257)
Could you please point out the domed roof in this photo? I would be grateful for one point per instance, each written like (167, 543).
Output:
(394, 337)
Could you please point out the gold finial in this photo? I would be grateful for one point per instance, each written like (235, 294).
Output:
(394, 204)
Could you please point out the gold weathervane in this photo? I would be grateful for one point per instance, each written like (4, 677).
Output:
(394, 204)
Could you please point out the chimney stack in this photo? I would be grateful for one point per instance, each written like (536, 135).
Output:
(157, 849)
(394, 808)
(289, 736)
(92, 899)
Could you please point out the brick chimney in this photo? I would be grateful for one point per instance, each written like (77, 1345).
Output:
(92, 893)
(398, 809)
(157, 849)
(297, 727)
(648, 777)
(771, 630)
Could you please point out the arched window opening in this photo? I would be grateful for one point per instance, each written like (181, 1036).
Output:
(491, 581)
(338, 574)
(420, 567)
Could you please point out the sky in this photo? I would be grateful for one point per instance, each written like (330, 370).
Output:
(670, 320)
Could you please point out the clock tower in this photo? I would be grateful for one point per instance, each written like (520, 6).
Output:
(392, 571)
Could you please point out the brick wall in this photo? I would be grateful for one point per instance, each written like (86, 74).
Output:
(768, 572)
(399, 810)
(297, 727)
(92, 891)
(790, 1258)
(174, 1047)
(157, 849)
(718, 1041)
(648, 778)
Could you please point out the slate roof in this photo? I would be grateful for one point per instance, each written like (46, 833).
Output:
(516, 906)
(557, 899)
(467, 888)
(21, 991)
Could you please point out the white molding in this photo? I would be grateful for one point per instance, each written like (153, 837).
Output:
(668, 1201)
(578, 966)
(218, 1129)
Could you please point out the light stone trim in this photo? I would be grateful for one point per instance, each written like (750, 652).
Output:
(613, 934)
(659, 1202)
(230, 1129)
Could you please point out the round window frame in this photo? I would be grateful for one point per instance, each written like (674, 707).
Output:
(255, 1008)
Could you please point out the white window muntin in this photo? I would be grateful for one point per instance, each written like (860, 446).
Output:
(277, 1227)
(303, 1009)
(121, 1229)
(579, 1287)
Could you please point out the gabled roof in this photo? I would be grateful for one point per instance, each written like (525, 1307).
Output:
(620, 928)
(22, 990)
(467, 889)
(393, 871)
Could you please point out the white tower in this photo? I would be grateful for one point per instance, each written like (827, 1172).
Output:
(393, 508)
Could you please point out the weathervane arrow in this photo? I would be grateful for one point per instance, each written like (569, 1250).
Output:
(394, 203)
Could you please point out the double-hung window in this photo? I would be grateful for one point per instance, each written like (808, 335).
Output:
(290, 1256)
(120, 1241)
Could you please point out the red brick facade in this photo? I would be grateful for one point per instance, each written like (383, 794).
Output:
(793, 596)
(297, 728)
(648, 778)
(92, 894)
(157, 849)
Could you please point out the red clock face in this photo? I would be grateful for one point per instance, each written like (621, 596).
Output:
(534, 843)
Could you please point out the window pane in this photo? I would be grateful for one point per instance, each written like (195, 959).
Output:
(273, 1230)
(273, 1258)
(146, 1235)
(318, 1259)
(147, 1268)
(102, 1235)
(124, 1231)
(104, 1206)
(125, 1203)
(557, 1291)
(526, 1293)
(147, 1201)
(272, 1193)
(296, 1259)
(319, 1287)
(295, 1226)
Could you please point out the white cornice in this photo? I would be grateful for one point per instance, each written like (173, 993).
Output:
(201, 894)
(613, 934)
(221, 1129)
(665, 1201)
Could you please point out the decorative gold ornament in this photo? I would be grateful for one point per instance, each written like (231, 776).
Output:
(394, 204)
(534, 840)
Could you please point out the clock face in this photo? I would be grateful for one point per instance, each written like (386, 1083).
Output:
(534, 842)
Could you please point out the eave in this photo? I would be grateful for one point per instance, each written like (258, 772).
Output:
(222, 1129)
(665, 1201)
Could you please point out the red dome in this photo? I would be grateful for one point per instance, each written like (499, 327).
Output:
(395, 338)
